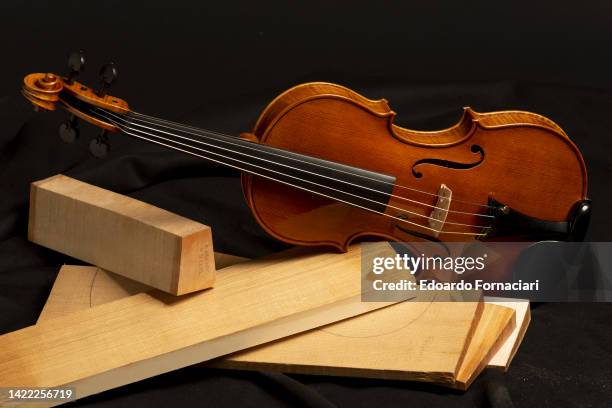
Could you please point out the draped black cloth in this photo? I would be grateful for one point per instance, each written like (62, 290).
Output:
(217, 66)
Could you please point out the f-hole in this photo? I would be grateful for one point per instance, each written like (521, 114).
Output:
(450, 164)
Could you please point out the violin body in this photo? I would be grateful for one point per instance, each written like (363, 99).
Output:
(520, 159)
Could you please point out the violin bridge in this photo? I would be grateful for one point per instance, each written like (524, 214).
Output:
(437, 218)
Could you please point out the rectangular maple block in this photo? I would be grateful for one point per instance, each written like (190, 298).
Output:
(122, 235)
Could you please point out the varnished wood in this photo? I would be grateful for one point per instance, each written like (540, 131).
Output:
(44, 90)
(530, 165)
(87, 94)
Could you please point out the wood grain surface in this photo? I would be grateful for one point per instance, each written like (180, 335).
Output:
(503, 356)
(121, 234)
(151, 333)
(345, 348)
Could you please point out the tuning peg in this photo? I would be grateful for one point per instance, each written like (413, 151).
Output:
(76, 63)
(100, 146)
(68, 130)
(108, 74)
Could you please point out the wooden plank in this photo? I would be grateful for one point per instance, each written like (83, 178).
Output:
(414, 341)
(494, 326)
(148, 244)
(71, 291)
(79, 284)
(507, 350)
(82, 287)
(151, 333)
(350, 347)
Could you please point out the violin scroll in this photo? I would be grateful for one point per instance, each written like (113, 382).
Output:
(42, 90)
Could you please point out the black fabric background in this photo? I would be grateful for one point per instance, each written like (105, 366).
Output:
(216, 65)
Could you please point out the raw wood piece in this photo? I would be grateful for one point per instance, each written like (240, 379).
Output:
(72, 290)
(121, 234)
(438, 334)
(505, 353)
(442, 345)
(82, 287)
(225, 260)
(413, 340)
(493, 328)
(82, 291)
(151, 333)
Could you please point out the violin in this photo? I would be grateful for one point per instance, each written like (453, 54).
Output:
(325, 165)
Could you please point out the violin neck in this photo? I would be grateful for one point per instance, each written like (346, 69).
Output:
(355, 186)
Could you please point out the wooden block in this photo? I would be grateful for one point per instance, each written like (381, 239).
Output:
(434, 342)
(151, 333)
(121, 234)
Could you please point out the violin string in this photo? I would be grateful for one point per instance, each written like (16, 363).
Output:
(297, 178)
(201, 133)
(103, 114)
(306, 171)
(439, 231)
(207, 133)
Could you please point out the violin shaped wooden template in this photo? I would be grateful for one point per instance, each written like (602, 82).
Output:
(325, 166)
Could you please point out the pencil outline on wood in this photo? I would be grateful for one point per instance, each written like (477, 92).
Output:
(462, 353)
(114, 287)
(150, 333)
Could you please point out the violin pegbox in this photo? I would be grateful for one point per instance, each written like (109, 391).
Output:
(47, 90)
(69, 130)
